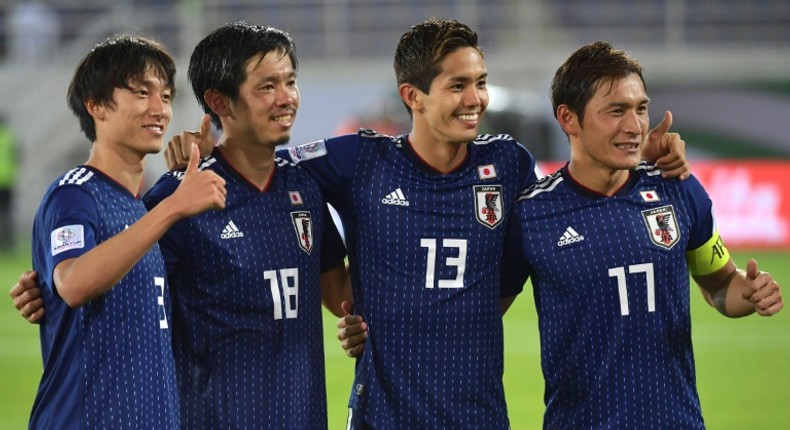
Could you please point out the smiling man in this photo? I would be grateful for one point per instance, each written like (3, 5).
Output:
(609, 245)
(105, 342)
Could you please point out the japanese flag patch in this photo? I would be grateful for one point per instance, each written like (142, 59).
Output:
(295, 197)
(649, 196)
(486, 172)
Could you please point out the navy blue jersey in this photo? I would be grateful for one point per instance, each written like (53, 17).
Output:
(247, 328)
(424, 251)
(611, 287)
(107, 364)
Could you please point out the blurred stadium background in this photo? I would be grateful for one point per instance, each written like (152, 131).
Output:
(721, 66)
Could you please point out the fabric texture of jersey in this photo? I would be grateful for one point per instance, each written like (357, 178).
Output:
(107, 364)
(611, 287)
(425, 251)
(247, 303)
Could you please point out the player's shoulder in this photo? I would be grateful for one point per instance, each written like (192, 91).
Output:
(206, 163)
(542, 187)
(81, 180)
(497, 141)
(650, 174)
(503, 143)
(339, 146)
(169, 182)
(366, 138)
(77, 176)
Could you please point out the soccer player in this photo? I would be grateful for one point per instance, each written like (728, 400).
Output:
(609, 245)
(247, 332)
(436, 202)
(105, 343)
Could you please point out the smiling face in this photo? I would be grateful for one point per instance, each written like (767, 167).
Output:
(268, 99)
(451, 112)
(138, 116)
(614, 128)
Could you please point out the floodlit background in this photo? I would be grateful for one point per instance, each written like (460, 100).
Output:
(721, 66)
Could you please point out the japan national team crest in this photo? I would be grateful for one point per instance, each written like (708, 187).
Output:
(662, 226)
(303, 224)
(488, 205)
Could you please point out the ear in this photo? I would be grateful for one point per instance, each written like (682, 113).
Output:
(568, 120)
(411, 96)
(217, 102)
(95, 109)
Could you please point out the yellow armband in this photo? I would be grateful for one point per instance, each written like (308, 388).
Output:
(708, 258)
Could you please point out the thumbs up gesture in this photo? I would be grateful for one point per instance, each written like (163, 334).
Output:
(199, 190)
(762, 290)
(667, 150)
(179, 147)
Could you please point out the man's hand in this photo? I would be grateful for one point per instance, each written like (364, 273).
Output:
(198, 191)
(179, 147)
(352, 332)
(762, 291)
(27, 297)
(667, 150)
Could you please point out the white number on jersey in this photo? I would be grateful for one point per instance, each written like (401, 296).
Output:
(160, 300)
(619, 273)
(287, 285)
(458, 262)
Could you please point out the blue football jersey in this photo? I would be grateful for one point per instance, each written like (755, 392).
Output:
(424, 251)
(107, 364)
(247, 331)
(611, 286)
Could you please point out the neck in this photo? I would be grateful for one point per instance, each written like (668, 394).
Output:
(254, 162)
(126, 168)
(602, 180)
(443, 156)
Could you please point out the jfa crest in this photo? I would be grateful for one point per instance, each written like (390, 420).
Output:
(303, 224)
(662, 226)
(488, 205)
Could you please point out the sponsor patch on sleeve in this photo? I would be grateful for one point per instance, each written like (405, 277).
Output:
(66, 238)
(307, 151)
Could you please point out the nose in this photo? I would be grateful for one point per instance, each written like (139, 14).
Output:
(288, 96)
(472, 97)
(633, 123)
(157, 106)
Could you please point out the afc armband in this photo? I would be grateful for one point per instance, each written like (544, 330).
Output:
(708, 258)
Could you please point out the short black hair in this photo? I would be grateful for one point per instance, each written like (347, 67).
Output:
(219, 60)
(116, 63)
(591, 66)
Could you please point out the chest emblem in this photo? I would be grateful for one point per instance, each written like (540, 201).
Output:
(662, 226)
(303, 223)
(488, 205)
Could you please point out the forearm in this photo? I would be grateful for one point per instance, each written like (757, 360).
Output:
(94, 273)
(727, 297)
(335, 289)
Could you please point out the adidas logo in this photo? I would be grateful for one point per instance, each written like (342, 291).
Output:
(570, 236)
(231, 231)
(395, 198)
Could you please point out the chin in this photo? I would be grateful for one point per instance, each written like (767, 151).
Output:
(467, 137)
(282, 140)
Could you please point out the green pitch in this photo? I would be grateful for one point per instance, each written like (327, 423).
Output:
(743, 366)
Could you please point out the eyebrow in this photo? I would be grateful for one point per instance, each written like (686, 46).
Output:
(626, 104)
(466, 79)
